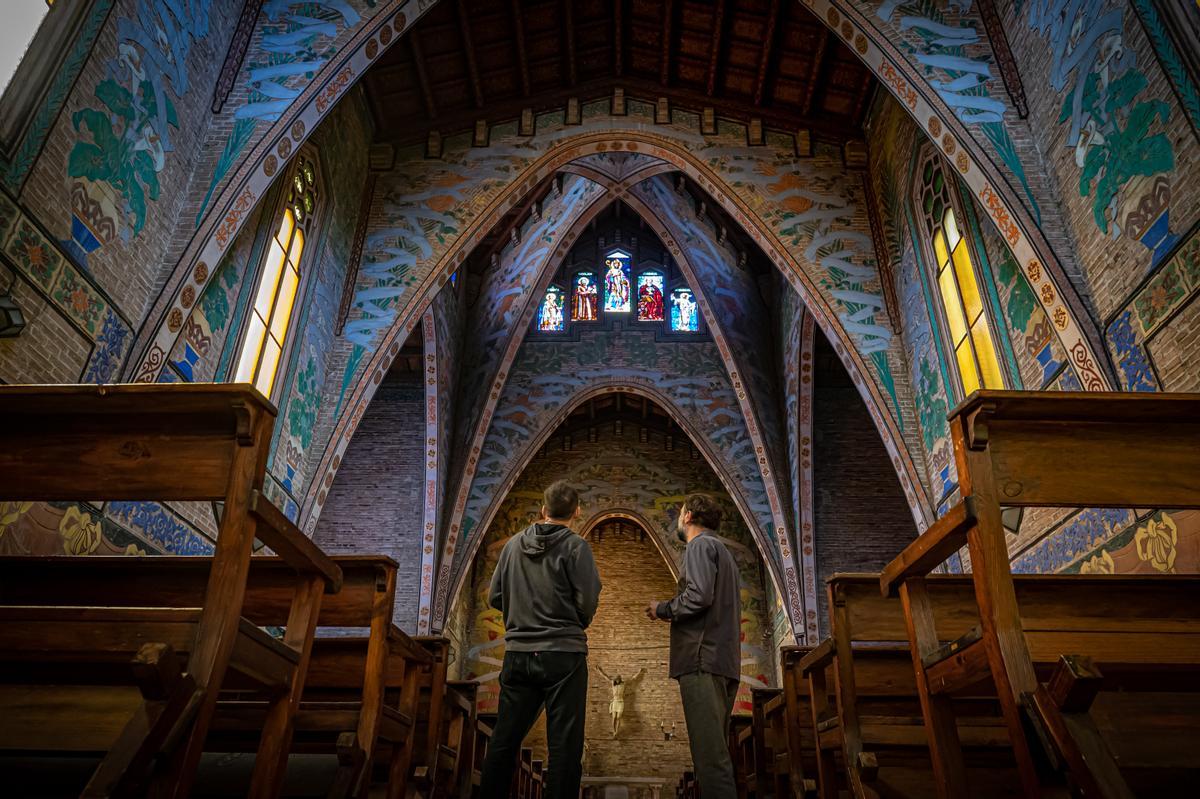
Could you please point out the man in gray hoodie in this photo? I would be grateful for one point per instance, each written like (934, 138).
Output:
(547, 587)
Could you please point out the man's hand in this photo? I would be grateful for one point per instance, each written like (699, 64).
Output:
(652, 611)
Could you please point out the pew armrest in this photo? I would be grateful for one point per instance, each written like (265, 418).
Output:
(943, 538)
(818, 658)
(457, 694)
(294, 547)
(401, 645)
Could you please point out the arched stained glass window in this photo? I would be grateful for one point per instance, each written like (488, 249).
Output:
(650, 297)
(550, 315)
(616, 282)
(685, 315)
(586, 299)
(278, 283)
(967, 325)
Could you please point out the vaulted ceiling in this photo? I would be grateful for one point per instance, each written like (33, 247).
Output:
(468, 60)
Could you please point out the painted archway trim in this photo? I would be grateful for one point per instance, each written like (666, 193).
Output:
(767, 471)
(239, 195)
(807, 522)
(453, 586)
(671, 151)
(630, 515)
(676, 153)
(432, 500)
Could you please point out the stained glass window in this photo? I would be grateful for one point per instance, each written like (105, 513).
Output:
(550, 315)
(616, 282)
(271, 315)
(685, 316)
(962, 299)
(586, 299)
(650, 297)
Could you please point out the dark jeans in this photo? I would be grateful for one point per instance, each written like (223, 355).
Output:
(707, 706)
(528, 680)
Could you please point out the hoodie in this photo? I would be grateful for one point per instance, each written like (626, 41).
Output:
(547, 587)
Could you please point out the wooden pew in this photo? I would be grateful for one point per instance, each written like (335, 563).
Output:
(871, 739)
(687, 788)
(445, 727)
(771, 752)
(1050, 449)
(754, 752)
(360, 691)
(799, 742)
(484, 725)
(154, 671)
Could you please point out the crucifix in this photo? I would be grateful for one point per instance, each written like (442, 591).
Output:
(616, 706)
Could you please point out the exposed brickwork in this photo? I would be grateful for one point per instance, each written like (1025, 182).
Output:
(49, 349)
(861, 516)
(1175, 349)
(375, 503)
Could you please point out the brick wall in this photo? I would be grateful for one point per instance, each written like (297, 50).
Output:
(861, 517)
(374, 504)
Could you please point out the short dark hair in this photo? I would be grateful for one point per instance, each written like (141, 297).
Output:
(560, 500)
(704, 509)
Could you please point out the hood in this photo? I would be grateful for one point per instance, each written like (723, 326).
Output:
(538, 539)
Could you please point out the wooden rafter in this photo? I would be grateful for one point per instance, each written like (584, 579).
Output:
(422, 73)
(764, 58)
(618, 45)
(824, 128)
(861, 104)
(464, 27)
(522, 59)
(569, 35)
(814, 74)
(714, 56)
(668, 18)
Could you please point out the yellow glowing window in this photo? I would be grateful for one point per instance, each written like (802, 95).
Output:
(974, 347)
(274, 302)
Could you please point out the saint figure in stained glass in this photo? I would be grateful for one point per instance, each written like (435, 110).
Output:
(616, 282)
(550, 315)
(650, 297)
(584, 303)
(685, 316)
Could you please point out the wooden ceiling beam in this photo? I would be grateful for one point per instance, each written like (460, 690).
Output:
(569, 36)
(664, 76)
(714, 56)
(464, 27)
(618, 45)
(522, 59)
(824, 127)
(814, 74)
(764, 58)
(862, 101)
(422, 74)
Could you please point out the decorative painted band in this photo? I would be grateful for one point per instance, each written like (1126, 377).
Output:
(432, 434)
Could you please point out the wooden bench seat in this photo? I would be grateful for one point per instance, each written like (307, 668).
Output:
(1054, 449)
(871, 737)
(800, 742)
(159, 443)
